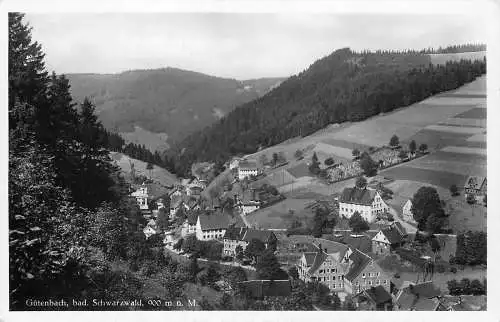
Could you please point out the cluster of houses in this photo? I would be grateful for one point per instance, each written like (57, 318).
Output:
(345, 263)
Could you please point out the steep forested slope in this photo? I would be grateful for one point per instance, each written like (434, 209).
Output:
(344, 86)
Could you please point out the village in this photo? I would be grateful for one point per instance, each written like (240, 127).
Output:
(367, 253)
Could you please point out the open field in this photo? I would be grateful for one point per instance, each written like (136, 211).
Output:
(282, 214)
(456, 121)
(475, 113)
(465, 217)
(452, 162)
(300, 170)
(455, 129)
(463, 149)
(436, 140)
(337, 151)
(443, 58)
(158, 174)
(152, 141)
(478, 138)
(438, 178)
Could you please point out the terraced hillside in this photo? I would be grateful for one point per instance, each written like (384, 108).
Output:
(452, 124)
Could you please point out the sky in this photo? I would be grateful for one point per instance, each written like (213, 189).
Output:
(233, 45)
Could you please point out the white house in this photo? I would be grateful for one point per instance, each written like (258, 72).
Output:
(388, 239)
(142, 196)
(247, 168)
(210, 227)
(407, 214)
(367, 202)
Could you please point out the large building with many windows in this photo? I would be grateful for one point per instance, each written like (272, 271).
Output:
(341, 268)
(209, 227)
(367, 202)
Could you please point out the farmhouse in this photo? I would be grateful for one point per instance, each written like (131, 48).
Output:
(235, 237)
(407, 214)
(374, 298)
(327, 265)
(475, 186)
(210, 227)
(247, 168)
(388, 239)
(367, 202)
(363, 273)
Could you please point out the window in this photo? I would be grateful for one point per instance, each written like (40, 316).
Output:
(378, 282)
(385, 281)
(333, 278)
(334, 286)
(369, 282)
(364, 275)
(378, 274)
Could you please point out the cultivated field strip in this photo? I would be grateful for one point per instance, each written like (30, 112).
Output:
(455, 129)
(464, 122)
(466, 150)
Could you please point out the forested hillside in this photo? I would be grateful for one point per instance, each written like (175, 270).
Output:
(169, 102)
(74, 231)
(344, 86)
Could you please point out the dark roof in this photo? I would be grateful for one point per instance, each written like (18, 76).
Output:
(419, 297)
(400, 228)
(358, 196)
(214, 221)
(234, 233)
(192, 217)
(318, 260)
(247, 165)
(262, 235)
(359, 262)
(263, 288)
(309, 257)
(378, 294)
(360, 242)
(393, 235)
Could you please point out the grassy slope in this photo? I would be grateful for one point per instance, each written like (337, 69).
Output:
(159, 175)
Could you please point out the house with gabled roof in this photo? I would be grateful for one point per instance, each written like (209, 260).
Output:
(407, 213)
(475, 186)
(375, 298)
(247, 168)
(150, 229)
(242, 236)
(363, 273)
(367, 202)
(249, 201)
(213, 226)
(388, 239)
(418, 297)
(326, 265)
(341, 268)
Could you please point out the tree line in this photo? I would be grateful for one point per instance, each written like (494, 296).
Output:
(344, 86)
